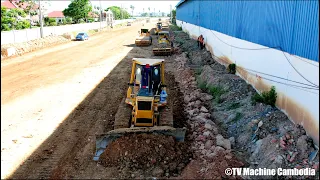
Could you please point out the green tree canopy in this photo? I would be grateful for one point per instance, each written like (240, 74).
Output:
(174, 14)
(78, 9)
(10, 19)
(117, 12)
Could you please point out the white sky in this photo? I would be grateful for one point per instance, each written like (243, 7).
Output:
(139, 5)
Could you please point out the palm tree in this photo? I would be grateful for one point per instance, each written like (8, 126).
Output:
(132, 8)
(149, 10)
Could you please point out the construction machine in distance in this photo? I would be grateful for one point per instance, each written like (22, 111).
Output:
(144, 38)
(158, 28)
(148, 111)
(164, 46)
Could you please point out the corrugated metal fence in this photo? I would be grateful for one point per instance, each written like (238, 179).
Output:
(292, 26)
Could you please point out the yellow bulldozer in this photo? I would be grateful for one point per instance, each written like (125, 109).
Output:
(145, 108)
(164, 46)
(144, 38)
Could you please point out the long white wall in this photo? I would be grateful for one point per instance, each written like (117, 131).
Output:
(18, 36)
(301, 105)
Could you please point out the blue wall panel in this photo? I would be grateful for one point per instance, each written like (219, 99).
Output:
(292, 26)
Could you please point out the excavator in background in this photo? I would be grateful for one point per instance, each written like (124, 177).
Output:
(164, 45)
(144, 38)
(145, 108)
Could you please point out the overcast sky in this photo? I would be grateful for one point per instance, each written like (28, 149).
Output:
(139, 5)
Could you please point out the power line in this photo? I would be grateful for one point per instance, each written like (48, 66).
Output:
(298, 71)
(280, 77)
(283, 54)
(291, 85)
(264, 49)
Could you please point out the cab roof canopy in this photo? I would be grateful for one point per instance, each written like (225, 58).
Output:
(145, 61)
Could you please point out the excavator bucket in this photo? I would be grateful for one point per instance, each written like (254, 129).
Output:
(103, 140)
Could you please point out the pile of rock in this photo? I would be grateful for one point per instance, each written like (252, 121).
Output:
(21, 48)
(208, 144)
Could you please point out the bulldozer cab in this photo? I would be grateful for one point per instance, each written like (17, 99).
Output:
(147, 79)
(144, 30)
(164, 37)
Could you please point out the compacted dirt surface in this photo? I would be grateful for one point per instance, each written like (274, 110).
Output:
(55, 100)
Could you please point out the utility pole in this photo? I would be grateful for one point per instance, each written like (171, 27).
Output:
(41, 22)
(100, 14)
(170, 13)
(121, 12)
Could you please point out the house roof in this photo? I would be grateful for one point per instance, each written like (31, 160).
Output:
(8, 5)
(56, 14)
(93, 15)
(15, 4)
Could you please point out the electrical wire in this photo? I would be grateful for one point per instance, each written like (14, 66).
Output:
(279, 77)
(291, 85)
(285, 57)
(298, 71)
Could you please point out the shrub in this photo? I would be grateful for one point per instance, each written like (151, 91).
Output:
(234, 106)
(216, 92)
(64, 21)
(237, 117)
(53, 23)
(268, 97)
(232, 68)
(202, 84)
(68, 20)
(24, 24)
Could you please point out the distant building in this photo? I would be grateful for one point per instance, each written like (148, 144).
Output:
(108, 16)
(94, 16)
(58, 15)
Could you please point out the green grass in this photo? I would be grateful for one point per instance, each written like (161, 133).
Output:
(216, 92)
(234, 106)
(202, 84)
(198, 71)
(237, 117)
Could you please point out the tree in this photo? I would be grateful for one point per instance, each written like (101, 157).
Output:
(10, 19)
(117, 12)
(78, 9)
(174, 14)
(68, 20)
(149, 11)
(132, 8)
(144, 14)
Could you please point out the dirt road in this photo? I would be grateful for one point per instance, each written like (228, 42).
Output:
(54, 101)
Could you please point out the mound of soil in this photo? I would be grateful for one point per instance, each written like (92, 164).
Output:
(153, 155)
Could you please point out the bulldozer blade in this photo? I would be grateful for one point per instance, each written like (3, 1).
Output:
(103, 140)
(162, 51)
(143, 43)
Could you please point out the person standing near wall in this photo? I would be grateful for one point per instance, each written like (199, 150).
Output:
(200, 41)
